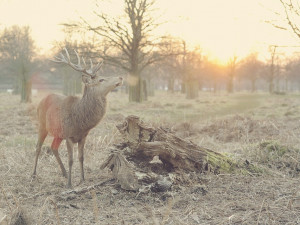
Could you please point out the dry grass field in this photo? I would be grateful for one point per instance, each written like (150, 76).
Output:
(259, 128)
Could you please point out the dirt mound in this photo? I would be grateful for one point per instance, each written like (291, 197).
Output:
(185, 129)
(240, 129)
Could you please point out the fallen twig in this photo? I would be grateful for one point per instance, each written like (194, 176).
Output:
(86, 189)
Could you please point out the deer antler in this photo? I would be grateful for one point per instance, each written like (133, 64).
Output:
(78, 67)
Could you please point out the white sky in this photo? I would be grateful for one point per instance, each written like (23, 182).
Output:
(221, 27)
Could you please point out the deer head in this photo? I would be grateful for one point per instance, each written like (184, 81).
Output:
(99, 84)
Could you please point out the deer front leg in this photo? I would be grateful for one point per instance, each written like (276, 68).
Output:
(70, 154)
(81, 157)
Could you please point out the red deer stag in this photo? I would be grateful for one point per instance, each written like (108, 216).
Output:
(71, 118)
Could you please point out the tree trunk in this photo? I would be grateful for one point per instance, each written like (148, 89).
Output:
(135, 88)
(145, 90)
(72, 83)
(65, 87)
(271, 80)
(253, 85)
(16, 86)
(238, 85)
(277, 85)
(70, 86)
(183, 88)
(192, 89)
(271, 86)
(200, 85)
(215, 86)
(171, 82)
(26, 93)
(126, 88)
(230, 84)
(151, 91)
(78, 85)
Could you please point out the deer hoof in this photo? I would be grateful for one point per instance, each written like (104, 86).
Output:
(64, 174)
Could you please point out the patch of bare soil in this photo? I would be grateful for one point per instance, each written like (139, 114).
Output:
(273, 198)
(241, 129)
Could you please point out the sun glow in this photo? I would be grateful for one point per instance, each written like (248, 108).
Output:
(229, 28)
(221, 28)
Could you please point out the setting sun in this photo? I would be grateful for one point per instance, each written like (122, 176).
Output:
(221, 28)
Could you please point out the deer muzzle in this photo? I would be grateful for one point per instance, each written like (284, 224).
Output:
(120, 82)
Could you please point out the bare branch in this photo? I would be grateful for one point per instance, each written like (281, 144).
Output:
(290, 8)
(275, 25)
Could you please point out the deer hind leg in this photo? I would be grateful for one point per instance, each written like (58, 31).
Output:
(81, 157)
(70, 154)
(42, 135)
(54, 146)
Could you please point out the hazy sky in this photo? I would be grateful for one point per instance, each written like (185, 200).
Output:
(221, 27)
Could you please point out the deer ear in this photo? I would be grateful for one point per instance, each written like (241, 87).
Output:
(86, 79)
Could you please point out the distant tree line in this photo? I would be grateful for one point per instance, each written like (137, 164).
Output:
(128, 47)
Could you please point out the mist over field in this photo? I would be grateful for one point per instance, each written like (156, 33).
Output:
(160, 115)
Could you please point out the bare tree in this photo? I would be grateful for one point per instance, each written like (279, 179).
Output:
(192, 70)
(291, 74)
(291, 22)
(292, 14)
(231, 67)
(272, 50)
(214, 73)
(278, 74)
(184, 64)
(127, 41)
(172, 66)
(251, 69)
(17, 51)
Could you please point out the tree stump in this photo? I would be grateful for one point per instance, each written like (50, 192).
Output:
(143, 142)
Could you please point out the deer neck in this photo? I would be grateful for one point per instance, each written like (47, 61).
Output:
(90, 109)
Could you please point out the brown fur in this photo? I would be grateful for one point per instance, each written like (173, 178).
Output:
(71, 118)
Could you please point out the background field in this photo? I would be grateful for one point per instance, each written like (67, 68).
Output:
(260, 128)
